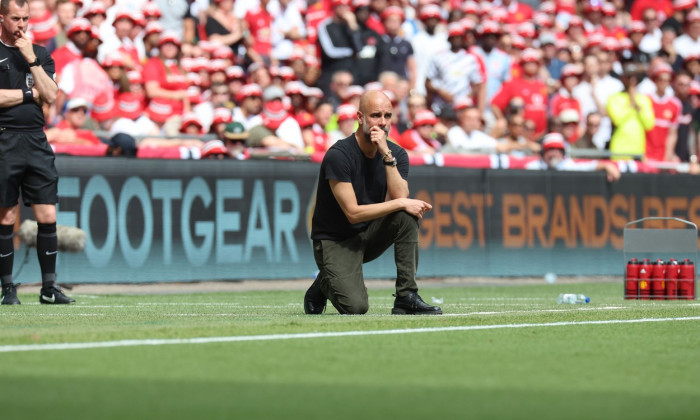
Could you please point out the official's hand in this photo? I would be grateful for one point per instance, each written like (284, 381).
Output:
(24, 44)
(36, 96)
(416, 208)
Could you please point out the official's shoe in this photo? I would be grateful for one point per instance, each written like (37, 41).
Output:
(9, 295)
(54, 296)
(314, 299)
(412, 304)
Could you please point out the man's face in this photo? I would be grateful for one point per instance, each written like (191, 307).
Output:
(662, 81)
(470, 119)
(66, 12)
(253, 105)
(15, 21)
(426, 131)
(378, 112)
(80, 39)
(593, 124)
(553, 157)
(682, 86)
(340, 84)
(76, 117)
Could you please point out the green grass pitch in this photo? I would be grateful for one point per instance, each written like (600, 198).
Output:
(507, 352)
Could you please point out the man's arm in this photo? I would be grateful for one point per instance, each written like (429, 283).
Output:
(12, 97)
(345, 196)
(43, 83)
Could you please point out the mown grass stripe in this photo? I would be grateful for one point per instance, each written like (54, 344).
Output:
(271, 337)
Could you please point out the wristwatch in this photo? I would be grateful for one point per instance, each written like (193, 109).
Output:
(391, 162)
(34, 63)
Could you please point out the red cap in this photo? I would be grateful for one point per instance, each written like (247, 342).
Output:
(97, 7)
(223, 52)
(661, 68)
(43, 27)
(609, 9)
(637, 26)
(346, 112)
(694, 88)
(154, 27)
(595, 39)
(151, 9)
(490, 27)
(548, 7)
(336, 3)
(216, 65)
(571, 70)
(499, 15)
(190, 118)
(553, 141)
(518, 42)
(692, 16)
(235, 72)
(611, 44)
(393, 11)
(530, 55)
(294, 88)
(575, 21)
(214, 147)
(222, 116)
(78, 25)
(462, 103)
(526, 30)
(353, 91)
(169, 36)
(470, 7)
(592, 6)
(684, 4)
(424, 117)
(274, 114)
(124, 14)
(287, 73)
(455, 29)
(251, 89)
(113, 59)
(430, 11)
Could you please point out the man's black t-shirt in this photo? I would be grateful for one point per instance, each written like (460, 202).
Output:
(15, 74)
(345, 162)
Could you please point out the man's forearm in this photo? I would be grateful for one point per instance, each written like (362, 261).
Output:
(47, 87)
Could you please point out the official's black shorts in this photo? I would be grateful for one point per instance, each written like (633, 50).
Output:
(27, 165)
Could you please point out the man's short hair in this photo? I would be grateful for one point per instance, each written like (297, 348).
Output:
(5, 5)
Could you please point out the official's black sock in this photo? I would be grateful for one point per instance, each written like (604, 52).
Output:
(46, 249)
(7, 253)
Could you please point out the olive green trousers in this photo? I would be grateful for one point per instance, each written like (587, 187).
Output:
(340, 262)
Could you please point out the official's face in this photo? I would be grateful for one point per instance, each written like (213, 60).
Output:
(15, 21)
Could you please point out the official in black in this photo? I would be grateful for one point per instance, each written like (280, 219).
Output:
(27, 82)
(362, 209)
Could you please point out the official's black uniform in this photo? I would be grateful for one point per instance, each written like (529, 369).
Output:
(26, 158)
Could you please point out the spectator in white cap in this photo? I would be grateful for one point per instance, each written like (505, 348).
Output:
(467, 136)
(661, 140)
(430, 39)
(249, 106)
(554, 156)
(79, 33)
(72, 129)
(689, 42)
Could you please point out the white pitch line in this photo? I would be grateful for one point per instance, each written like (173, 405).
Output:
(273, 337)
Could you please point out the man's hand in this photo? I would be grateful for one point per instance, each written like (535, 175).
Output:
(378, 136)
(24, 44)
(612, 172)
(416, 208)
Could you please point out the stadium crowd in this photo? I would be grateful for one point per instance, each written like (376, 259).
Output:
(465, 77)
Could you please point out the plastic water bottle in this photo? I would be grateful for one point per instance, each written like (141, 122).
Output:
(572, 298)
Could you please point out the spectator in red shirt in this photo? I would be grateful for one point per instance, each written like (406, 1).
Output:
(165, 81)
(661, 140)
(259, 40)
(79, 34)
(530, 88)
(570, 77)
(421, 139)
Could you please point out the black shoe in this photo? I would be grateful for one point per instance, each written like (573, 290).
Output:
(314, 300)
(9, 295)
(412, 304)
(54, 296)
